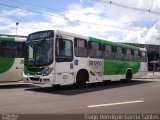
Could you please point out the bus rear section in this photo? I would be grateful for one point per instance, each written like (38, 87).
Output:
(143, 70)
(11, 58)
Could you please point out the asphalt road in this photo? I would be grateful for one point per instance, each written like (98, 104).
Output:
(137, 96)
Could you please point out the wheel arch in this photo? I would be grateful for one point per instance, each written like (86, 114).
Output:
(129, 70)
(83, 71)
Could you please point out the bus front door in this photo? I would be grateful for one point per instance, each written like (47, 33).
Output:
(64, 61)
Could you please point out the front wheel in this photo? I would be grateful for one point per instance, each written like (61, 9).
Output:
(81, 80)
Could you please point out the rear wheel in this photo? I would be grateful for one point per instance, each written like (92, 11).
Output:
(128, 76)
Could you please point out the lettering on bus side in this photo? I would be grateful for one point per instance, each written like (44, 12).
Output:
(95, 63)
(95, 67)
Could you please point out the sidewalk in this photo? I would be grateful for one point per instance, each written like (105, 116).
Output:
(151, 75)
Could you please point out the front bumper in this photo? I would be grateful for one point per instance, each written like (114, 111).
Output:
(37, 79)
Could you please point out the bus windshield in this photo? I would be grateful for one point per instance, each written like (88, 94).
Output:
(39, 52)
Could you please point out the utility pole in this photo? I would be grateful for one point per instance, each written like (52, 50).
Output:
(17, 23)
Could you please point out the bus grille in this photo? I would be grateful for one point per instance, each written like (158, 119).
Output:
(34, 79)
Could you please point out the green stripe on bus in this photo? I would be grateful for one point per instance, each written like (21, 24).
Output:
(6, 63)
(118, 67)
(92, 73)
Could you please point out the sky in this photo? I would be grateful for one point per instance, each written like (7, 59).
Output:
(85, 17)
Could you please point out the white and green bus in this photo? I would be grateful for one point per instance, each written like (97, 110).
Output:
(61, 58)
(12, 51)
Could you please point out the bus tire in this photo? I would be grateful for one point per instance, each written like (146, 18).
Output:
(128, 76)
(81, 79)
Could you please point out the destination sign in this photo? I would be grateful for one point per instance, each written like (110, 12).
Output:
(40, 35)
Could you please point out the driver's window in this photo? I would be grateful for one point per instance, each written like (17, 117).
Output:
(64, 50)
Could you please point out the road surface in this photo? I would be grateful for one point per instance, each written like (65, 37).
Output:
(135, 97)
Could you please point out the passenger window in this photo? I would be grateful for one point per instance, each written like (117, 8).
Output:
(128, 51)
(136, 52)
(108, 48)
(95, 50)
(119, 53)
(12, 49)
(136, 55)
(143, 56)
(64, 50)
(119, 49)
(128, 55)
(108, 51)
(80, 46)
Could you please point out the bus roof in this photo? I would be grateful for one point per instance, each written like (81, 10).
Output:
(6, 38)
(92, 39)
(113, 43)
(100, 40)
(6, 35)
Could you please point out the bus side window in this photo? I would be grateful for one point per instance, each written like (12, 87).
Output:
(95, 49)
(108, 51)
(119, 53)
(128, 54)
(136, 55)
(143, 56)
(80, 47)
(12, 49)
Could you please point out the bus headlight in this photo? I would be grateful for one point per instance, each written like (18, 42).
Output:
(47, 71)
